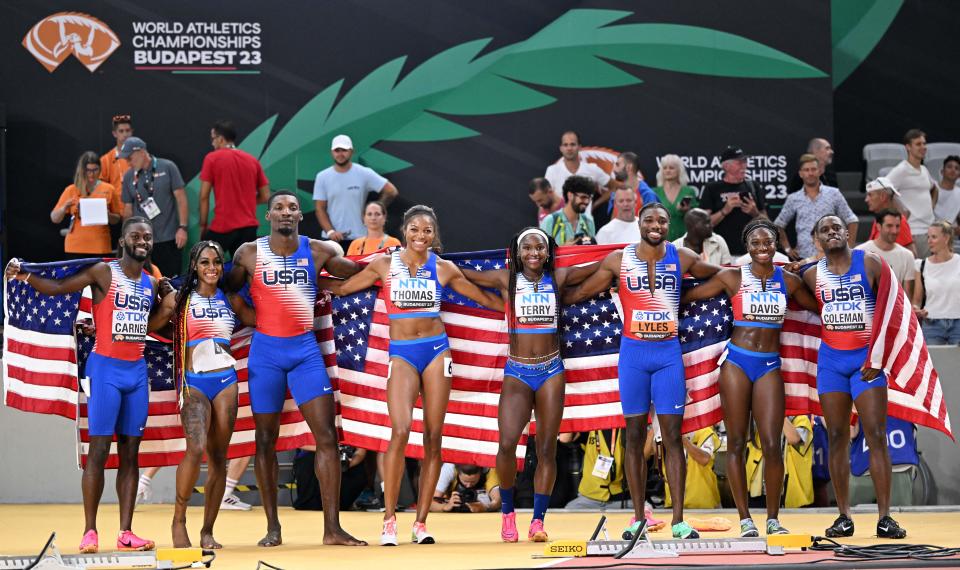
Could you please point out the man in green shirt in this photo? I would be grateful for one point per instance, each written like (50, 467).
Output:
(572, 222)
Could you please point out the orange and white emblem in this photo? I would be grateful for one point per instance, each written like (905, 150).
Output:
(54, 38)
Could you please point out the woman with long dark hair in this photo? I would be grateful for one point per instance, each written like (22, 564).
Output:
(750, 380)
(533, 378)
(80, 239)
(203, 320)
(420, 363)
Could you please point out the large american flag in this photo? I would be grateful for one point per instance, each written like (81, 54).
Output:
(353, 332)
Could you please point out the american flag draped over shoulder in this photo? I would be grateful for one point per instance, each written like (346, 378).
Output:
(354, 336)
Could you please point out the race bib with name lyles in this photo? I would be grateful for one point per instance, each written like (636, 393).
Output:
(654, 324)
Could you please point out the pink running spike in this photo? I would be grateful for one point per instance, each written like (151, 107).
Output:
(90, 543)
(129, 541)
(508, 529)
(536, 533)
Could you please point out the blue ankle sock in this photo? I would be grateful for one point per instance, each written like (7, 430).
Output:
(540, 504)
(506, 496)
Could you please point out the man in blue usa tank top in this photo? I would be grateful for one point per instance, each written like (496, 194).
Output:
(845, 283)
(282, 272)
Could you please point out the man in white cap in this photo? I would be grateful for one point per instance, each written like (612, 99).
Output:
(340, 193)
(882, 195)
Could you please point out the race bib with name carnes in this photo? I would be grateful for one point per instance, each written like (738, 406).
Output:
(129, 325)
(413, 293)
(653, 324)
(764, 306)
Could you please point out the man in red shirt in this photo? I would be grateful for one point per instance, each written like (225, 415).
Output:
(881, 195)
(238, 185)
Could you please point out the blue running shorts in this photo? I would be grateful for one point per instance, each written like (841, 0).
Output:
(119, 396)
(839, 371)
(651, 370)
(277, 363)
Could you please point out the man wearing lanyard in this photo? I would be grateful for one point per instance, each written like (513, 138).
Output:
(153, 189)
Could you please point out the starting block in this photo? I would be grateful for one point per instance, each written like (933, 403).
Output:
(162, 559)
(643, 547)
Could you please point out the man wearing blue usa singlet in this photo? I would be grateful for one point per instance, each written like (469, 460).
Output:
(124, 305)
(282, 272)
(845, 283)
(648, 275)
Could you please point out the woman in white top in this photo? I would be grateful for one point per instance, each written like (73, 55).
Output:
(934, 297)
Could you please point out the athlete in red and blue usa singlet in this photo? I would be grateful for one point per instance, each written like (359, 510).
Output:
(651, 365)
(284, 351)
(116, 370)
(846, 311)
(535, 306)
(412, 297)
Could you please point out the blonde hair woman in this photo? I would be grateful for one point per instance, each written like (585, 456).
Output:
(934, 298)
(674, 193)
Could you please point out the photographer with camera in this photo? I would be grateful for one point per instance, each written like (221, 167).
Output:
(353, 478)
(572, 223)
(466, 489)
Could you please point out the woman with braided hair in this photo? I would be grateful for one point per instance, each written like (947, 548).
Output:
(203, 320)
(533, 378)
(750, 378)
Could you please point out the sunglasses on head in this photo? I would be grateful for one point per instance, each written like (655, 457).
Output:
(121, 119)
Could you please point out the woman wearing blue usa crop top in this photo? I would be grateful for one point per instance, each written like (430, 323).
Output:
(533, 378)
(420, 363)
(750, 379)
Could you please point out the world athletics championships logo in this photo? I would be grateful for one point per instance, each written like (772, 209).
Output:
(54, 38)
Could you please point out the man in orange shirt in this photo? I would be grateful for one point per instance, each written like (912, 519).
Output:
(112, 167)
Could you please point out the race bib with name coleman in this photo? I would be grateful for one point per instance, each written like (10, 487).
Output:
(653, 324)
(845, 315)
(413, 293)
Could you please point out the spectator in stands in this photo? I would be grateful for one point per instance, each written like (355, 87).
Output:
(820, 148)
(700, 449)
(542, 194)
(112, 167)
(624, 228)
(570, 164)
(341, 190)
(353, 477)
(882, 195)
(568, 225)
(948, 200)
(805, 208)
(626, 172)
(374, 218)
(81, 239)
(701, 238)
(238, 184)
(674, 193)
(466, 489)
(798, 461)
(918, 190)
(934, 289)
(153, 189)
(733, 201)
(885, 245)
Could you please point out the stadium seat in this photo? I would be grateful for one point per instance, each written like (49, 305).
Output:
(879, 155)
(884, 171)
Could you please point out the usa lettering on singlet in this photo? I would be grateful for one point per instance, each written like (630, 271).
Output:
(535, 304)
(417, 295)
(122, 315)
(650, 316)
(846, 304)
(284, 289)
(209, 318)
(757, 304)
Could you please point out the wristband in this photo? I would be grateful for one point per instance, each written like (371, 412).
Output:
(27, 279)
(182, 227)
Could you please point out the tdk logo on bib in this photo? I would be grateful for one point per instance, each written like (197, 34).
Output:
(662, 281)
(297, 276)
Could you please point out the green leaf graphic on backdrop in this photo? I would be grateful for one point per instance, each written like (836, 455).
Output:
(856, 28)
(574, 51)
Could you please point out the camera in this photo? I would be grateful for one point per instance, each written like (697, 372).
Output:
(467, 495)
(346, 454)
